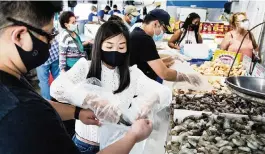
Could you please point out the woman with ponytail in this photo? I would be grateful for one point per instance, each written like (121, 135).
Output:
(188, 34)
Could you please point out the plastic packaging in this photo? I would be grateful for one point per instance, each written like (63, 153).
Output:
(141, 107)
(103, 103)
(157, 114)
(187, 69)
(196, 57)
(110, 133)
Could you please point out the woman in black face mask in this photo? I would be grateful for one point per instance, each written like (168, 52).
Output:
(188, 34)
(109, 64)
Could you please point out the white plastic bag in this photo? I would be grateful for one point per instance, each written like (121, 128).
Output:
(154, 144)
(110, 133)
(137, 108)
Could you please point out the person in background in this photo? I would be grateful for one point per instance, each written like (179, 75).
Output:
(110, 65)
(144, 52)
(101, 13)
(50, 66)
(144, 12)
(116, 18)
(188, 34)
(130, 15)
(25, 36)
(71, 47)
(115, 10)
(158, 6)
(226, 15)
(122, 12)
(138, 23)
(233, 39)
(92, 14)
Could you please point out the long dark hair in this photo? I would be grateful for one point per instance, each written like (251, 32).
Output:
(144, 11)
(106, 31)
(187, 24)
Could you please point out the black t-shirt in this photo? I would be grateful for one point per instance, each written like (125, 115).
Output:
(28, 123)
(142, 50)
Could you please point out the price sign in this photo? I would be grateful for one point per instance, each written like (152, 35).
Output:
(259, 71)
(227, 57)
(246, 63)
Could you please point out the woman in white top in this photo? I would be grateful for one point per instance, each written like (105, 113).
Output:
(188, 34)
(110, 64)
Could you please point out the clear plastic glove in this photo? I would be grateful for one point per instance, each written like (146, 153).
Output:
(103, 110)
(93, 81)
(148, 105)
(168, 61)
(102, 103)
(109, 113)
(191, 78)
(140, 130)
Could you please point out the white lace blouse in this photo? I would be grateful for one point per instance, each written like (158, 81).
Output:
(62, 89)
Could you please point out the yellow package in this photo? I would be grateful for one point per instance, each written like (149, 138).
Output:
(226, 57)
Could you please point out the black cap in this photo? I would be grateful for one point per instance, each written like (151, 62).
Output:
(162, 16)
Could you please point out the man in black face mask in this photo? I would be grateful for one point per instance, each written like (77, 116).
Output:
(25, 37)
(28, 123)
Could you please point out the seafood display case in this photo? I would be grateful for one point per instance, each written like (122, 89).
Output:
(198, 132)
(215, 119)
(216, 124)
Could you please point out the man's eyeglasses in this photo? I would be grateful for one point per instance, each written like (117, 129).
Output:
(132, 15)
(49, 36)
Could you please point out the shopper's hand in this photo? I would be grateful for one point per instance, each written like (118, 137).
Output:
(90, 42)
(191, 78)
(140, 130)
(177, 47)
(88, 117)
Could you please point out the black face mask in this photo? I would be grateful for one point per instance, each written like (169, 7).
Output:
(113, 58)
(37, 56)
(193, 26)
